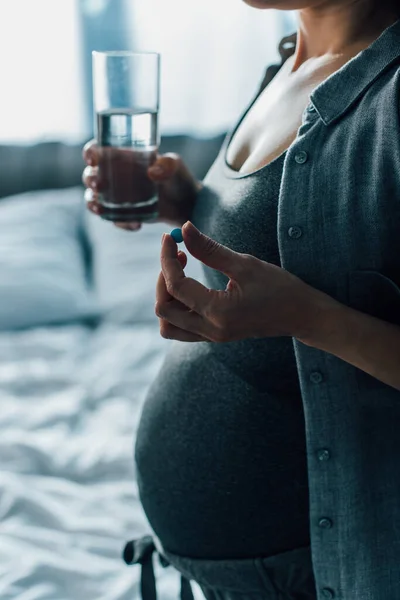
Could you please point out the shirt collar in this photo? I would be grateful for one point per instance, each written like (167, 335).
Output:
(337, 94)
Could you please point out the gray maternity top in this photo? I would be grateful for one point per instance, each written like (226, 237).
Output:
(221, 452)
(212, 429)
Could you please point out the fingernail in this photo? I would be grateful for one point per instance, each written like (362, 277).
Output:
(163, 238)
(190, 228)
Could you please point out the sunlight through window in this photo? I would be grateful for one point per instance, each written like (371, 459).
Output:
(40, 71)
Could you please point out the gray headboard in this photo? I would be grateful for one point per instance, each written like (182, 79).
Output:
(52, 165)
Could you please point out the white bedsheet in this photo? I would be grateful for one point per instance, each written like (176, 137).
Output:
(70, 401)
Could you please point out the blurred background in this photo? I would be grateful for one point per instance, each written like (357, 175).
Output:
(79, 342)
(214, 53)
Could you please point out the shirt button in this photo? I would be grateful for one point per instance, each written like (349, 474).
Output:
(323, 454)
(327, 593)
(311, 108)
(295, 232)
(325, 523)
(316, 377)
(301, 157)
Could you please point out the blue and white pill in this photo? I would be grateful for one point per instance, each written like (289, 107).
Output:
(177, 235)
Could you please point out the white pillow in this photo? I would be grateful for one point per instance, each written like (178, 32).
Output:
(42, 268)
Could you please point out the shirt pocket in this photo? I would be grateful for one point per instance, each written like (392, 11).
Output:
(377, 295)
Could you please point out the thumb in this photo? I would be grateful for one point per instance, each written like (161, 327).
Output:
(210, 252)
(165, 167)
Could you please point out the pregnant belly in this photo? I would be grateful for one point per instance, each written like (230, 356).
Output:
(221, 466)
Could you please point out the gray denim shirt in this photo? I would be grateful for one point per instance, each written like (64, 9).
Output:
(339, 231)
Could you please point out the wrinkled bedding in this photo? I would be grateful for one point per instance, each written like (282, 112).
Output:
(68, 499)
(71, 396)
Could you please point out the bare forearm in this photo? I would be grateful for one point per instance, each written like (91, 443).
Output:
(368, 343)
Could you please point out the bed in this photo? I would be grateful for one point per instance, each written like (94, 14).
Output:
(79, 347)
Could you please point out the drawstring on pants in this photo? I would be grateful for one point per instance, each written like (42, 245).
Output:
(140, 552)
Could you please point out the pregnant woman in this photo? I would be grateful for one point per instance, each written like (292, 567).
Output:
(268, 450)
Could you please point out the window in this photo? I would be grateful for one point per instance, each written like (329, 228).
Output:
(214, 53)
(41, 94)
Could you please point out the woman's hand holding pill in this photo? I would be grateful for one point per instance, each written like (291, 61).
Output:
(177, 187)
(260, 299)
(163, 297)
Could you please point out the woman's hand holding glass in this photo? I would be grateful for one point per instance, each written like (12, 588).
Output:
(177, 188)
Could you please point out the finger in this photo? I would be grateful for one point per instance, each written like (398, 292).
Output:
(165, 167)
(185, 289)
(211, 253)
(91, 197)
(162, 294)
(131, 226)
(90, 177)
(90, 153)
(167, 330)
(170, 332)
(93, 207)
(178, 315)
(182, 258)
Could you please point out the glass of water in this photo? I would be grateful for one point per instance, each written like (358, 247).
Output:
(126, 90)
